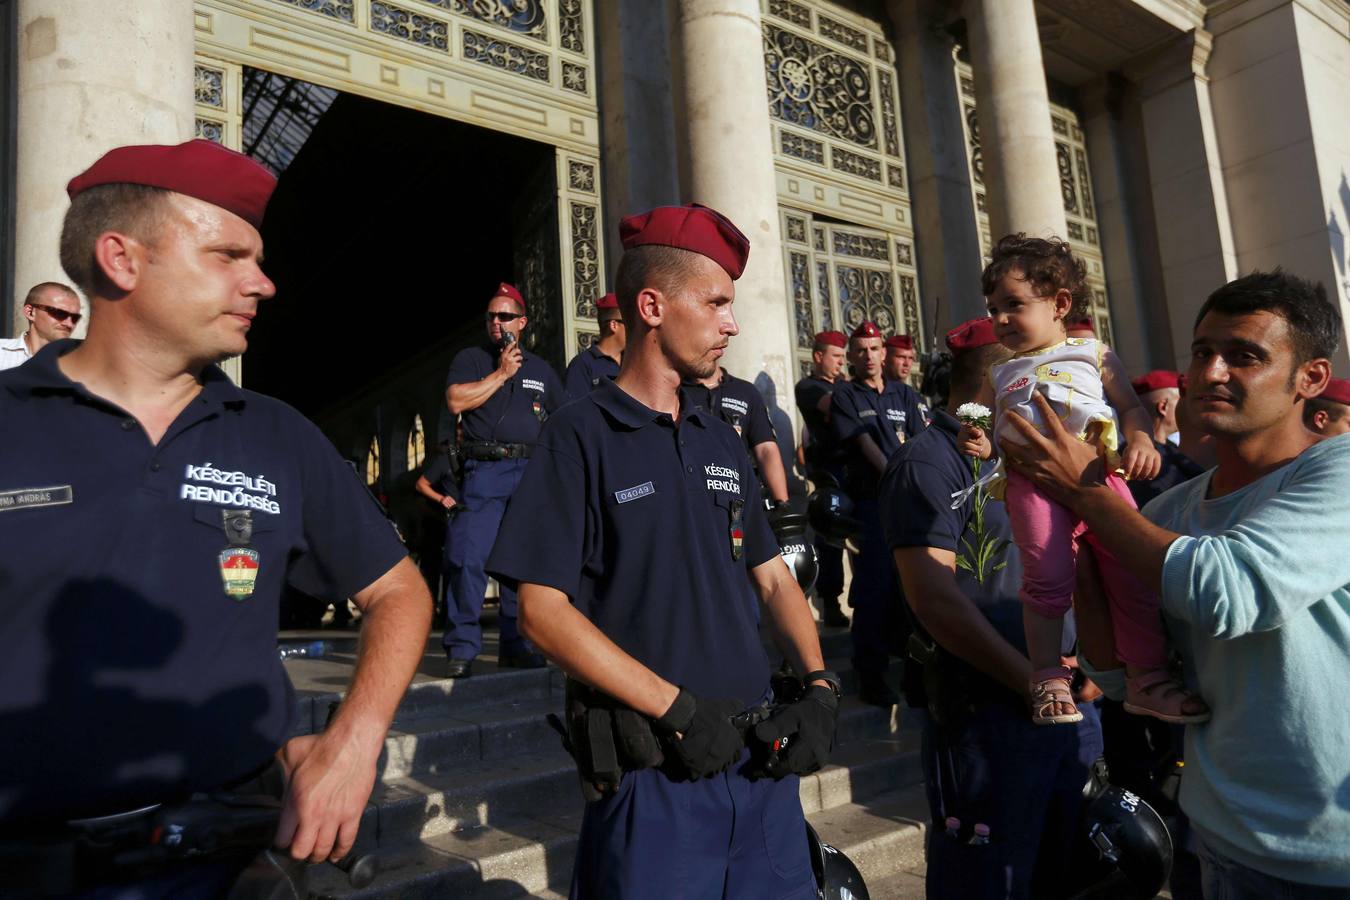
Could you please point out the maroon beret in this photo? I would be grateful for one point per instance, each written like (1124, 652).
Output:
(900, 342)
(1079, 323)
(971, 335)
(696, 228)
(866, 329)
(1156, 380)
(507, 290)
(200, 168)
(608, 301)
(832, 338)
(1338, 391)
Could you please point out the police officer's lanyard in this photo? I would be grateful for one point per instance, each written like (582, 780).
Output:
(238, 561)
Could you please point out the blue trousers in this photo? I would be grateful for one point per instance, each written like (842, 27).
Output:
(720, 837)
(1223, 878)
(468, 541)
(1022, 780)
(879, 624)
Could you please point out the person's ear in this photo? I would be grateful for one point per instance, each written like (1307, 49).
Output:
(1063, 301)
(120, 259)
(1313, 378)
(29, 312)
(651, 306)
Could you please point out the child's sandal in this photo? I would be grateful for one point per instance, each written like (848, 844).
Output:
(1159, 695)
(1049, 687)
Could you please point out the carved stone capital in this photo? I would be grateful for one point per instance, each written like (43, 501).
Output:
(1183, 59)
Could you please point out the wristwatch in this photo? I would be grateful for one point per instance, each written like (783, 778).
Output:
(830, 678)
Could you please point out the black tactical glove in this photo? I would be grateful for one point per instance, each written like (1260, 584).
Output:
(710, 742)
(801, 736)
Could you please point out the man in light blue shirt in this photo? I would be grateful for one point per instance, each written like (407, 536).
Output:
(1252, 560)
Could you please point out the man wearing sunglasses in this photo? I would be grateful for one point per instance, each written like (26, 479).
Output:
(52, 310)
(502, 394)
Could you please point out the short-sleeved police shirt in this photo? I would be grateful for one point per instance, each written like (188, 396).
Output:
(890, 417)
(916, 511)
(739, 404)
(586, 370)
(650, 527)
(516, 412)
(131, 673)
(824, 449)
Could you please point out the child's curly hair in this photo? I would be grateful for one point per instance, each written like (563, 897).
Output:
(1048, 265)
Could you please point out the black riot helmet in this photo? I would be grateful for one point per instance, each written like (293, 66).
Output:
(789, 529)
(1130, 835)
(837, 878)
(830, 512)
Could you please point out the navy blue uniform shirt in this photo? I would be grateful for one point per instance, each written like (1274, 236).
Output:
(890, 416)
(130, 674)
(916, 511)
(650, 527)
(1177, 468)
(824, 449)
(739, 404)
(586, 370)
(516, 412)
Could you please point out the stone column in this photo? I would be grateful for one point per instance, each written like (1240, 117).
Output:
(1021, 174)
(1190, 202)
(1139, 320)
(92, 76)
(730, 162)
(948, 243)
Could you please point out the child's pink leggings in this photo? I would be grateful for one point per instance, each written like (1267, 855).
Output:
(1047, 536)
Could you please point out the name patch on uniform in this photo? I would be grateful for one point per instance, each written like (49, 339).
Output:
(32, 498)
(864, 413)
(723, 478)
(633, 493)
(238, 488)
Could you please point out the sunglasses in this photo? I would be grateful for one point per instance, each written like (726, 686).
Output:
(504, 316)
(59, 314)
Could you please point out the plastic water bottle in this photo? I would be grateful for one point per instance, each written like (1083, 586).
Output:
(953, 826)
(981, 835)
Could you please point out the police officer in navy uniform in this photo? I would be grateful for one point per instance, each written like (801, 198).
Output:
(503, 394)
(824, 458)
(741, 406)
(151, 513)
(985, 763)
(1160, 393)
(601, 359)
(639, 546)
(872, 418)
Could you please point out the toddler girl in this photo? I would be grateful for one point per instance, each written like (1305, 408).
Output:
(1031, 286)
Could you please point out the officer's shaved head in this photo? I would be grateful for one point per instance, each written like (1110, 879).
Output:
(135, 210)
(651, 266)
(969, 368)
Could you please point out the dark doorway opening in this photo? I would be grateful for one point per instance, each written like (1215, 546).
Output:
(388, 231)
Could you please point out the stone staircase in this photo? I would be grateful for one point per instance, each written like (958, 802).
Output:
(477, 799)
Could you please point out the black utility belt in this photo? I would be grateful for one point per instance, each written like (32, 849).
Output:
(490, 450)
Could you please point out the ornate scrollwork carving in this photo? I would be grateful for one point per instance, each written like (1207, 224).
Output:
(527, 18)
(823, 295)
(855, 164)
(1066, 184)
(1084, 182)
(909, 307)
(889, 130)
(796, 229)
(574, 77)
(795, 145)
(904, 253)
(208, 86)
(585, 259)
(581, 176)
(866, 294)
(800, 276)
(847, 243)
(585, 340)
(844, 34)
(396, 22)
(342, 10)
(790, 12)
(976, 155)
(506, 56)
(895, 176)
(817, 88)
(571, 29)
(211, 130)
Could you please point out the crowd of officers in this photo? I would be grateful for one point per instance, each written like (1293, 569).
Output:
(639, 494)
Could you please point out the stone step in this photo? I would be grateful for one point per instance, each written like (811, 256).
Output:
(484, 792)
(533, 856)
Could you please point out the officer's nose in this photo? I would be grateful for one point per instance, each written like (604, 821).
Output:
(260, 286)
(729, 326)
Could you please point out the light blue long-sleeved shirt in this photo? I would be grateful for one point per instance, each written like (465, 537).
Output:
(1258, 598)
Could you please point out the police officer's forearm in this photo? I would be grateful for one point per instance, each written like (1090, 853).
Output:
(548, 620)
(396, 617)
(871, 452)
(928, 576)
(461, 398)
(788, 615)
(771, 469)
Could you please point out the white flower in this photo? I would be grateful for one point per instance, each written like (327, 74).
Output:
(973, 412)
